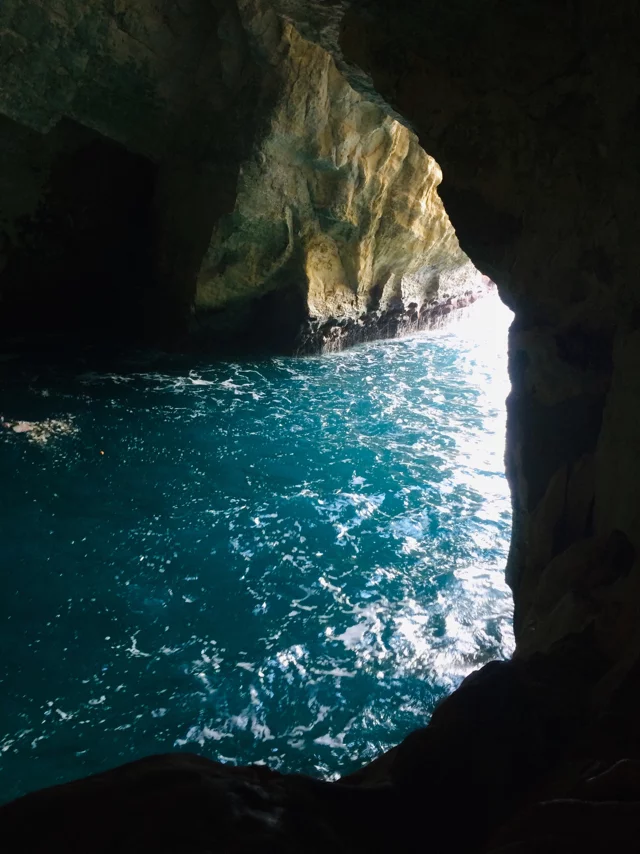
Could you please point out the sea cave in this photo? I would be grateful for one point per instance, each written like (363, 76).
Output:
(318, 426)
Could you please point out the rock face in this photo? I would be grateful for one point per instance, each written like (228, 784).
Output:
(532, 111)
(200, 168)
(487, 746)
(337, 202)
(123, 127)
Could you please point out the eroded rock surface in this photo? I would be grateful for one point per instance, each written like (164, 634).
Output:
(200, 169)
(510, 761)
(338, 202)
(532, 111)
(122, 130)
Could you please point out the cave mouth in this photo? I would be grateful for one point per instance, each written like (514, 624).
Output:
(284, 560)
(76, 233)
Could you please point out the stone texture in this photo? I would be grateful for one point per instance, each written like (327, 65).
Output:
(532, 111)
(337, 200)
(272, 191)
(512, 751)
(485, 747)
(598, 812)
(174, 86)
(170, 803)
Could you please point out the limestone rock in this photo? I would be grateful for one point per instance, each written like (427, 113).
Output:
(338, 201)
(531, 108)
(200, 169)
(487, 746)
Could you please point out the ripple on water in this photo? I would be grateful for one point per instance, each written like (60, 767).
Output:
(287, 561)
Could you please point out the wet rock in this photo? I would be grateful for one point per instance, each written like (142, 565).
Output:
(532, 111)
(393, 321)
(600, 811)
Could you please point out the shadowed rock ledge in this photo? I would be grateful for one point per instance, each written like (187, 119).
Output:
(532, 111)
(499, 758)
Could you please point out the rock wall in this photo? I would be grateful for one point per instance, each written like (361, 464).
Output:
(200, 170)
(174, 86)
(338, 201)
(532, 111)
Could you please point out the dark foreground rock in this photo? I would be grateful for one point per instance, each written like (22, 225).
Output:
(498, 761)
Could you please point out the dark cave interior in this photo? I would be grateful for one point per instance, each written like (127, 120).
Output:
(76, 268)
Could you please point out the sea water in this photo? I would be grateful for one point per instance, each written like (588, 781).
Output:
(286, 561)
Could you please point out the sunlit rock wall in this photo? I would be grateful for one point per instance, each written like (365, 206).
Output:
(338, 200)
(200, 170)
(532, 110)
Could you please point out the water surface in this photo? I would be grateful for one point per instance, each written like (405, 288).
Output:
(286, 561)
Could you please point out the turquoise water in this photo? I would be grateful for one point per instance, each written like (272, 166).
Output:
(286, 561)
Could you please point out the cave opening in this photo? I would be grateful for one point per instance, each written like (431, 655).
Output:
(113, 650)
(283, 559)
(280, 559)
(76, 236)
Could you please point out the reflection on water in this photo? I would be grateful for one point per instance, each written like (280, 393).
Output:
(288, 560)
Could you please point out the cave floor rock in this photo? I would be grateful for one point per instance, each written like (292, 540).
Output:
(511, 762)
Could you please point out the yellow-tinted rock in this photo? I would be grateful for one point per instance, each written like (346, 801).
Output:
(337, 200)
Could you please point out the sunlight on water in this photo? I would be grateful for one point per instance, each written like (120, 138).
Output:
(286, 561)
